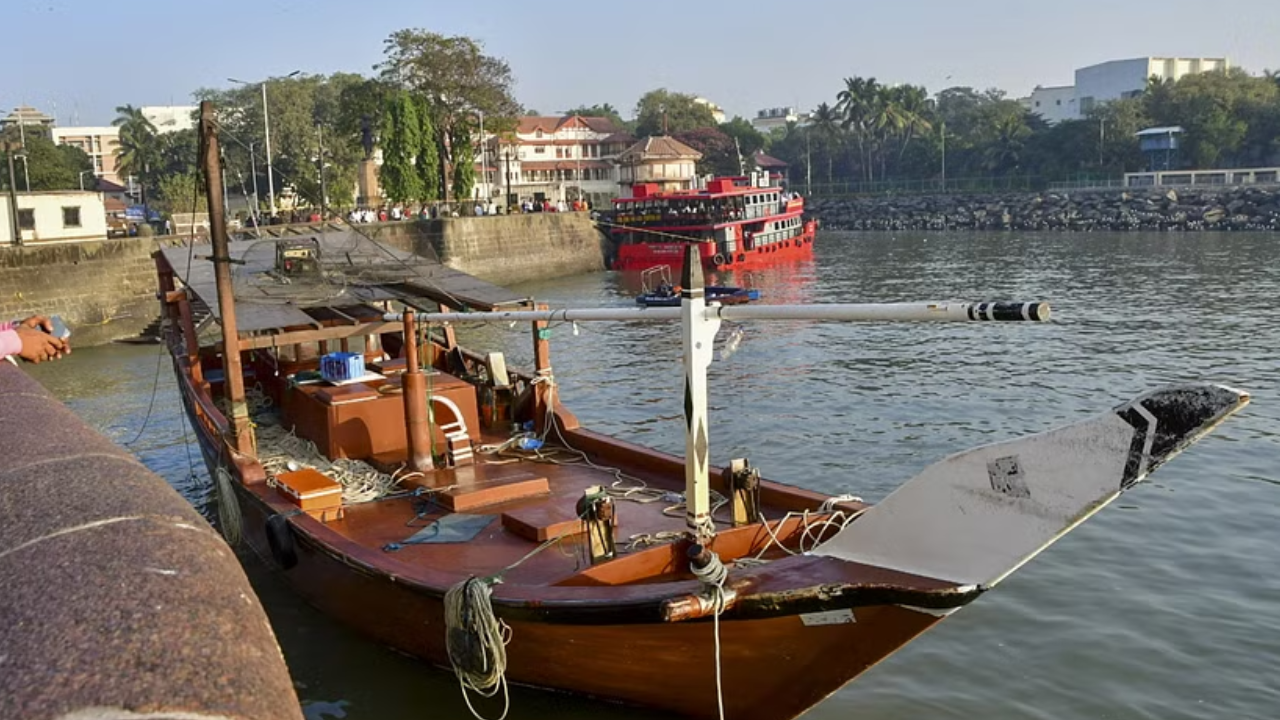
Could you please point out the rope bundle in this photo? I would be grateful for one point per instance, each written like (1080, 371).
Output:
(477, 642)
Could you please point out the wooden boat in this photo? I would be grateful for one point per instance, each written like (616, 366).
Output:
(733, 223)
(511, 564)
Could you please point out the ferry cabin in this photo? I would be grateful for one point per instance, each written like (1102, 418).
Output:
(730, 212)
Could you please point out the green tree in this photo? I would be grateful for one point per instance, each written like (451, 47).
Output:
(138, 149)
(181, 193)
(458, 81)
(681, 111)
(604, 110)
(1219, 112)
(48, 166)
(427, 163)
(750, 141)
(464, 166)
(719, 155)
(401, 141)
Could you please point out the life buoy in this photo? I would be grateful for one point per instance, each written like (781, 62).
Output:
(280, 540)
(718, 259)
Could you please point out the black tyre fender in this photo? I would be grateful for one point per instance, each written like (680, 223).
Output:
(280, 539)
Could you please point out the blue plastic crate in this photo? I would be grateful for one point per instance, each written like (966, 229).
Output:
(341, 366)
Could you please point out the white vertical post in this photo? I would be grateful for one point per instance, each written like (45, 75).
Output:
(699, 334)
(266, 130)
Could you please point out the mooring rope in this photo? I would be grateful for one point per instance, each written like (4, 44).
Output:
(477, 642)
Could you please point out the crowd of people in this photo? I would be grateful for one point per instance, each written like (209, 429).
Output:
(396, 213)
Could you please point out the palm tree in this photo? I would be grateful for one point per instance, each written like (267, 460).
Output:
(825, 122)
(855, 105)
(913, 104)
(1005, 152)
(138, 149)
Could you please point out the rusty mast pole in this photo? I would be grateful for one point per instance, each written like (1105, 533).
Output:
(242, 434)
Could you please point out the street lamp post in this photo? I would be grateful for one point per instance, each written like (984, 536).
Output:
(82, 174)
(324, 195)
(266, 131)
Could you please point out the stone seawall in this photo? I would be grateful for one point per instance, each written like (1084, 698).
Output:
(1235, 208)
(503, 249)
(104, 289)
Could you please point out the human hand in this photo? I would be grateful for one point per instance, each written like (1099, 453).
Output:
(38, 345)
(38, 322)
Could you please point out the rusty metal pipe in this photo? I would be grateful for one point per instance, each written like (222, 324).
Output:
(417, 423)
(118, 598)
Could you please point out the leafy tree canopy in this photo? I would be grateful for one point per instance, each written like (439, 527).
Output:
(682, 113)
(49, 166)
(600, 110)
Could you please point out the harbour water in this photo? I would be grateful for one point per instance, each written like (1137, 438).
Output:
(1166, 605)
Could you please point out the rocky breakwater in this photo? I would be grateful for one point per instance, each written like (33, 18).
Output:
(1234, 208)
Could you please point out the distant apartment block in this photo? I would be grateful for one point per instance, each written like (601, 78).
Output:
(1113, 80)
(779, 117)
(1054, 104)
(170, 118)
(101, 144)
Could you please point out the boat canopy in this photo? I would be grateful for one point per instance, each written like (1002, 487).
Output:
(349, 269)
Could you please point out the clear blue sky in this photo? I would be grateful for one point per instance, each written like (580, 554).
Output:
(81, 58)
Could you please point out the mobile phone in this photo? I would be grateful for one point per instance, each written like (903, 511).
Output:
(60, 329)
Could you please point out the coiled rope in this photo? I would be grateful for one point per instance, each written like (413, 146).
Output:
(477, 642)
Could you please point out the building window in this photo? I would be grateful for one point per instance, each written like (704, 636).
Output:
(71, 216)
(539, 150)
(27, 219)
(1058, 102)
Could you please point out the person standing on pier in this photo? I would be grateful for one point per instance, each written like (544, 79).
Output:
(32, 340)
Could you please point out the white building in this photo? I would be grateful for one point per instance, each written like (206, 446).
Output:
(1054, 104)
(55, 216)
(717, 112)
(170, 118)
(554, 158)
(1113, 80)
(1128, 78)
(770, 118)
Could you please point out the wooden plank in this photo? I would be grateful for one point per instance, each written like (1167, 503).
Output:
(492, 492)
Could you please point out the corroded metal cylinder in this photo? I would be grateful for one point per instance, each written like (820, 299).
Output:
(117, 597)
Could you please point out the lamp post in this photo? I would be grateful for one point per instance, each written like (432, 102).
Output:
(26, 174)
(324, 195)
(82, 174)
(266, 131)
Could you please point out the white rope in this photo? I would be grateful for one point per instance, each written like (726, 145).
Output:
(477, 643)
(281, 451)
(713, 576)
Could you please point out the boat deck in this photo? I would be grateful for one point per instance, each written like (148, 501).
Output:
(526, 501)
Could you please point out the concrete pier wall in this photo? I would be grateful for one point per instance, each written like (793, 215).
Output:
(104, 289)
(118, 599)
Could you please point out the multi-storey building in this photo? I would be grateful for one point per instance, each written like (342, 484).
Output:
(1113, 80)
(101, 144)
(553, 158)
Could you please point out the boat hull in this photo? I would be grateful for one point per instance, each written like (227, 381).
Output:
(636, 257)
(772, 668)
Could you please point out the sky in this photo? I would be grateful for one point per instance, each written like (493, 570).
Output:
(79, 59)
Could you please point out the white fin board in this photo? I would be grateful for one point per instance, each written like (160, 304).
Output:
(977, 516)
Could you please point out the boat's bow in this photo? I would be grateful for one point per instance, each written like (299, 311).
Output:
(977, 516)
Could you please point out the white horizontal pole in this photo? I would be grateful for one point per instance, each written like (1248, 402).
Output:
(868, 312)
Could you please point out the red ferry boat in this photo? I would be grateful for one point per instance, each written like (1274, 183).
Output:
(735, 223)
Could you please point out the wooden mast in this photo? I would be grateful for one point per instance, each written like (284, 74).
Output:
(241, 433)
(699, 333)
